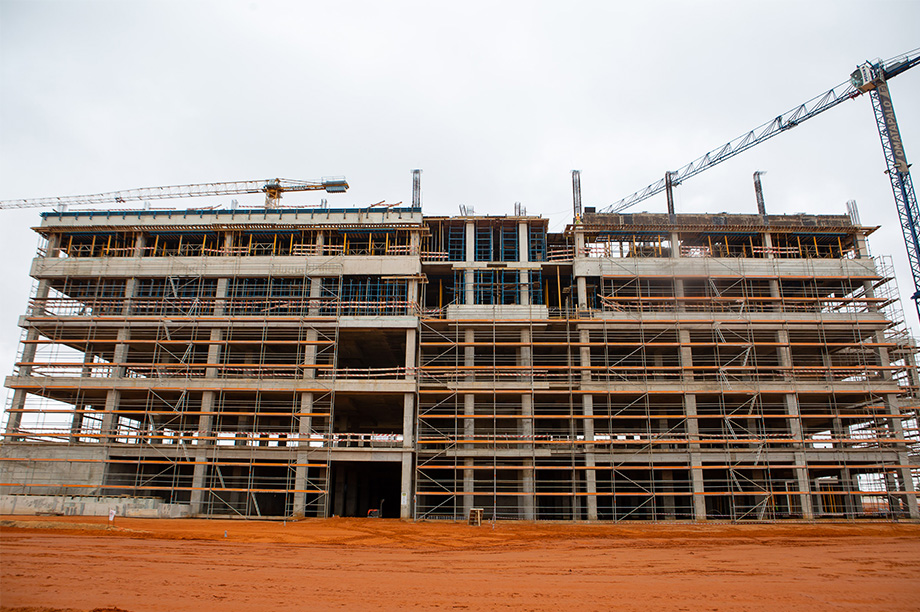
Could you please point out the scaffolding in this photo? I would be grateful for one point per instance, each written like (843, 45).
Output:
(632, 367)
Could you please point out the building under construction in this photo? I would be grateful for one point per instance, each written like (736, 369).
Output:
(316, 362)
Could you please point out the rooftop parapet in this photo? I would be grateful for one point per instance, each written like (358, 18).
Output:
(223, 218)
(720, 221)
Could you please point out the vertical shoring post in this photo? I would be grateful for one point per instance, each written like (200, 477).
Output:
(576, 195)
(669, 184)
(416, 188)
(758, 192)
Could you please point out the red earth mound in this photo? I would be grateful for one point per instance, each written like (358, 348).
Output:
(82, 563)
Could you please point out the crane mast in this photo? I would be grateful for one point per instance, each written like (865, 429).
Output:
(899, 175)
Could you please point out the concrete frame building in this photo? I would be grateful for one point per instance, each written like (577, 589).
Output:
(318, 362)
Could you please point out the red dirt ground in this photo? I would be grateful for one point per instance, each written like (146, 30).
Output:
(78, 563)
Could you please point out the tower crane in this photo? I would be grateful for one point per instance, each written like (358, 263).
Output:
(272, 188)
(871, 77)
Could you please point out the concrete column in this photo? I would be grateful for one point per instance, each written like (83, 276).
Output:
(527, 421)
(411, 335)
(53, 247)
(527, 473)
(316, 292)
(338, 504)
(214, 352)
(408, 421)
(584, 354)
(205, 431)
(38, 303)
(470, 229)
(784, 353)
(469, 424)
(109, 420)
(196, 503)
(528, 501)
(120, 355)
(309, 354)
(523, 241)
(862, 247)
(528, 505)
(777, 303)
(801, 469)
(850, 487)
(524, 281)
(76, 424)
(913, 373)
(675, 245)
(469, 352)
(405, 487)
(469, 293)
(469, 430)
(579, 243)
(679, 294)
(526, 354)
(768, 245)
(696, 459)
(220, 302)
(907, 481)
(469, 400)
(582, 285)
(686, 354)
(130, 292)
(693, 429)
(140, 241)
(413, 306)
(304, 428)
(869, 292)
(320, 243)
(668, 507)
(587, 406)
(28, 352)
(206, 419)
(895, 502)
(883, 357)
(527, 431)
(305, 420)
(468, 486)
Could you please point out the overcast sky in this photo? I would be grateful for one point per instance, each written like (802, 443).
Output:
(495, 101)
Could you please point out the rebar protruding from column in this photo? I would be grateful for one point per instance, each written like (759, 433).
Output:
(576, 194)
(417, 188)
(758, 191)
(669, 184)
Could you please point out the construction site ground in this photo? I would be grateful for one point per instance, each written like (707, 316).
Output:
(83, 563)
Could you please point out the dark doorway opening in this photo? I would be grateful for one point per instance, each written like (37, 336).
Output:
(359, 486)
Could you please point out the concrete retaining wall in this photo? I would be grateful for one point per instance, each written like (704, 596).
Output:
(85, 505)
